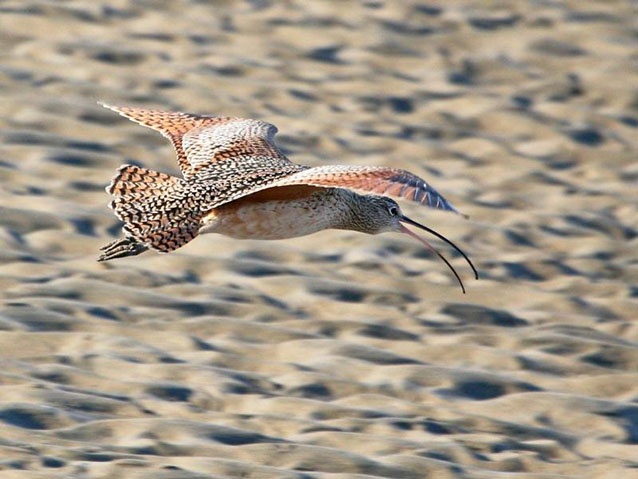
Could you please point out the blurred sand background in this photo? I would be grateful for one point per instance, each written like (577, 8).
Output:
(337, 355)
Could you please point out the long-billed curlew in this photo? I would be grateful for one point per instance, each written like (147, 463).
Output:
(239, 184)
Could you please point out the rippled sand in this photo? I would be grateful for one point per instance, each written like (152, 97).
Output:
(337, 355)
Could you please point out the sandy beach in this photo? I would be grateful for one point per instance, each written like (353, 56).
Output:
(338, 355)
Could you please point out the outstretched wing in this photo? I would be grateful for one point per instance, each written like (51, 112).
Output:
(214, 148)
(372, 179)
(240, 156)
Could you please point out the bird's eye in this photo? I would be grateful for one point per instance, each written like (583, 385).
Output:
(393, 210)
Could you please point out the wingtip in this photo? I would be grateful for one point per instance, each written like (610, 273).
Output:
(447, 206)
(465, 216)
(107, 105)
(462, 215)
(454, 209)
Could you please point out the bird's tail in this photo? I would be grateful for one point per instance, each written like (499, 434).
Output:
(157, 209)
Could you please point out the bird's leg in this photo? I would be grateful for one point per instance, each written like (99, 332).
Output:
(120, 248)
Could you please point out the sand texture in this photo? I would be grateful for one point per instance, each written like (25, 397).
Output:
(338, 355)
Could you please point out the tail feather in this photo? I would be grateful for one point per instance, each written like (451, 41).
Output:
(135, 181)
(158, 210)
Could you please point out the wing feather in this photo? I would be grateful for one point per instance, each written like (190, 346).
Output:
(372, 179)
(208, 145)
(241, 156)
(235, 139)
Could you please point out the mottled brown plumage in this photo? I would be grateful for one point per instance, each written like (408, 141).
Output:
(238, 183)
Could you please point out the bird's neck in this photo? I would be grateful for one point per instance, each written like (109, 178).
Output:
(348, 214)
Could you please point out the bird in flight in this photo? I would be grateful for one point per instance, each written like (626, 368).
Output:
(237, 182)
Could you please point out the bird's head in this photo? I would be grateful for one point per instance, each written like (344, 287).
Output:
(379, 214)
(375, 214)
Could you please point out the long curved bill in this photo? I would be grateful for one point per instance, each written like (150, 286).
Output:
(405, 230)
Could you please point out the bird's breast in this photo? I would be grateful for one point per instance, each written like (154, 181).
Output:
(274, 219)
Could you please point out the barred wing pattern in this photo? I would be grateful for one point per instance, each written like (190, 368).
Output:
(172, 125)
(235, 139)
(373, 179)
(213, 148)
(234, 157)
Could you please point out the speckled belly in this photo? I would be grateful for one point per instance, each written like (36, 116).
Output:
(273, 219)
